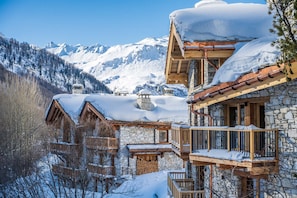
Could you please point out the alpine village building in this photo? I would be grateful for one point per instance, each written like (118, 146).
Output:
(234, 136)
(242, 108)
(103, 138)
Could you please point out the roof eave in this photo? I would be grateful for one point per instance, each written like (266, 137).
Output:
(248, 83)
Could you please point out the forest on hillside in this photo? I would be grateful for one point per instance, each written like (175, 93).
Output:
(24, 59)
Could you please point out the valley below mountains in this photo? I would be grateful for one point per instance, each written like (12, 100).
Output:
(122, 68)
(101, 69)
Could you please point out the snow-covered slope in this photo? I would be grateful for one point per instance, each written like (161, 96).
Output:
(129, 67)
(24, 59)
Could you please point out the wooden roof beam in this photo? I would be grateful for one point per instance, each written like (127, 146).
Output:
(192, 54)
(181, 77)
(179, 66)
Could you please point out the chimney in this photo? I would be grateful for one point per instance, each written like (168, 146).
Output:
(77, 89)
(144, 100)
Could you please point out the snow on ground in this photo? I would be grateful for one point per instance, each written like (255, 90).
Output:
(45, 184)
(143, 186)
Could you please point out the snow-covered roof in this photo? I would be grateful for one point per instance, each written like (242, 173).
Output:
(149, 146)
(124, 108)
(248, 57)
(71, 104)
(217, 20)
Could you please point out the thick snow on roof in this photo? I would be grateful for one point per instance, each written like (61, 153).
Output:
(216, 20)
(250, 57)
(71, 104)
(124, 108)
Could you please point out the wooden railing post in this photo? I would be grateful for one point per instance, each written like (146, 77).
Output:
(191, 141)
(239, 140)
(180, 140)
(208, 140)
(228, 140)
(252, 146)
(276, 144)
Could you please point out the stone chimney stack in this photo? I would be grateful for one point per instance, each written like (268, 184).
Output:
(144, 100)
(77, 89)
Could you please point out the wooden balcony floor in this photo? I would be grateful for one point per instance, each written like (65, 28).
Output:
(235, 159)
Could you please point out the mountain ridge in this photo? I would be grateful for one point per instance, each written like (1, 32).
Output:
(128, 67)
(25, 59)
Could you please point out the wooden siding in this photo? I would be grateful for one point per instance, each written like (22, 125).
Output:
(146, 164)
(63, 148)
(99, 170)
(180, 140)
(101, 143)
(181, 187)
(68, 172)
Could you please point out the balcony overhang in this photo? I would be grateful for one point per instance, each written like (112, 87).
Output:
(248, 83)
(103, 144)
(68, 172)
(66, 148)
(140, 149)
(180, 53)
(101, 170)
(252, 168)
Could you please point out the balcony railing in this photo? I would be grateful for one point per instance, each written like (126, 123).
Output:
(252, 143)
(101, 143)
(182, 187)
(63, 148)
(180, 138)
(68, 172)
(101, 169)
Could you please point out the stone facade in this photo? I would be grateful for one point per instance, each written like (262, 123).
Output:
(280, 113)
(139, 135)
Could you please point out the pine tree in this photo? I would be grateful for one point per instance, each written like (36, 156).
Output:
(285, 26)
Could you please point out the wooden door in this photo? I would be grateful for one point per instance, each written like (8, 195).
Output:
(146, 164)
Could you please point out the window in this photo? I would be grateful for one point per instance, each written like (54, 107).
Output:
(246, 113)
(163, 136)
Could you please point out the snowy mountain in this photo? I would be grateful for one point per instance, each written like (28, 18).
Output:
(128, 67)
(24, 59)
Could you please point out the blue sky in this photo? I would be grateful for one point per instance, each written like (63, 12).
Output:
(87, 22)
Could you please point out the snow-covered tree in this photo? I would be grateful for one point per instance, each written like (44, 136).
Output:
(285, 26)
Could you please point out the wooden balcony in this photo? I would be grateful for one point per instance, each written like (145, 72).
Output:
(101, 170)
(180, 140)
(252, 151)
(102, 143)
(63, 148)
(68, 172)
(181, 187)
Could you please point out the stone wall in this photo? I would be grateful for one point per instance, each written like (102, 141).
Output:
(138, 135)
(225, 184)
(280, 113)
(169, 161)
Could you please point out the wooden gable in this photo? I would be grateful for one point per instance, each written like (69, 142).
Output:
(180, 53)
(56, 113)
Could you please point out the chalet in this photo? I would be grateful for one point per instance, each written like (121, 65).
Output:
(104, 135)
(242, 134)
